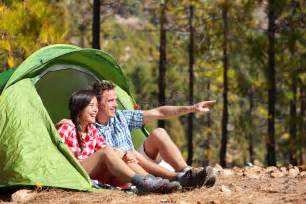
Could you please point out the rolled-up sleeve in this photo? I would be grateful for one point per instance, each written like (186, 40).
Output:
(134, 118)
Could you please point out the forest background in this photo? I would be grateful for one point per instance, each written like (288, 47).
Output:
(249, 55)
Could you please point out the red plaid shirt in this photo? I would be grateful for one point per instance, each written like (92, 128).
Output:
(92, 142)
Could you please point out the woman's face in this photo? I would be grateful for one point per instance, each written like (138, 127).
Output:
(88, 115)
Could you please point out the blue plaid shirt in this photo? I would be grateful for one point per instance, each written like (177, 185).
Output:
(117, 132)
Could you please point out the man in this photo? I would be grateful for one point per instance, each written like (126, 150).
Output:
(115, 126)
(98, 159)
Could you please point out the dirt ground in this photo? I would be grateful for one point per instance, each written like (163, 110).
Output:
(237, 185)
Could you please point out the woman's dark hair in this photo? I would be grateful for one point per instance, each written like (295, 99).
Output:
(79, 100)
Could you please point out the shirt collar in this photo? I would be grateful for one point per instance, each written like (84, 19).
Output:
(100, 125)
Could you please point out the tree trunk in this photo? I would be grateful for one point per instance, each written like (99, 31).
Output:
(293, 115)
(209, 133)
(123, 10)
(96, 25)
(270, 141)
(251, 135)
(292, 129)
(191, 79)
(225, 88)
(302, 124)
(162, 60)
(82, 35)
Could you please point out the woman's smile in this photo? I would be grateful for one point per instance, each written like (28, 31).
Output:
(88, 115)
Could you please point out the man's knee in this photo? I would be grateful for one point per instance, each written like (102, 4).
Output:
(157, 137)
(159, 133)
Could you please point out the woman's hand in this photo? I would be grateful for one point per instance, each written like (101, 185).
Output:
(129, 157)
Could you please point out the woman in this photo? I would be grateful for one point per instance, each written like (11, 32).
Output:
(96, 157)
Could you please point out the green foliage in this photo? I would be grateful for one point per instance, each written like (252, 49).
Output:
(27, 26)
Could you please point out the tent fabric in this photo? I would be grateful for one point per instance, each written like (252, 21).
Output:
(4, 77)
(92, 59)
(31, 151)
(56, 97)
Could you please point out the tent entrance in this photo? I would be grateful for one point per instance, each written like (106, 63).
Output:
(56, 84)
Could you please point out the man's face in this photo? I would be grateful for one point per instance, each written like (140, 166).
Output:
(108, 103)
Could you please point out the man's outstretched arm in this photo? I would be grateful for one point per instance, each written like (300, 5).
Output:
(166, 112)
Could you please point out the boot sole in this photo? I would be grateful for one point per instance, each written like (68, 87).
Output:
(165, 189)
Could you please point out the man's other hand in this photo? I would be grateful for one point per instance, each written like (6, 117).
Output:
(57, 125)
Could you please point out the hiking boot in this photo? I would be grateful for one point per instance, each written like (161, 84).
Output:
(211, 177)
(151, 184)
(190, 179)
(197, 177)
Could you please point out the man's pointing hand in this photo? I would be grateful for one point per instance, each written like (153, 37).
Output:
(203, 106)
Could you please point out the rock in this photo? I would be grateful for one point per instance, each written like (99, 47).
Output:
(218, 169)
(254, 169)
(297, 169)
(253, 172)
(253, 176)
(238, 171)
(302, 167)
(277, 174)
(169, 201)
(303, 174)
(284, 170)
(271, 169)
(294, 172)
(218, 166)
(258, 163)
(268, 189)
(257, 168)
(23, 196)
(235, 188)
(249, 164)
(214, 202)
(227, 172)
(225, 190)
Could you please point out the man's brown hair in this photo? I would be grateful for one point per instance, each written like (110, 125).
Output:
(100, 87)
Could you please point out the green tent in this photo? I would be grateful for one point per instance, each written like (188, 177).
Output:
(33, 97)
(4, 77)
